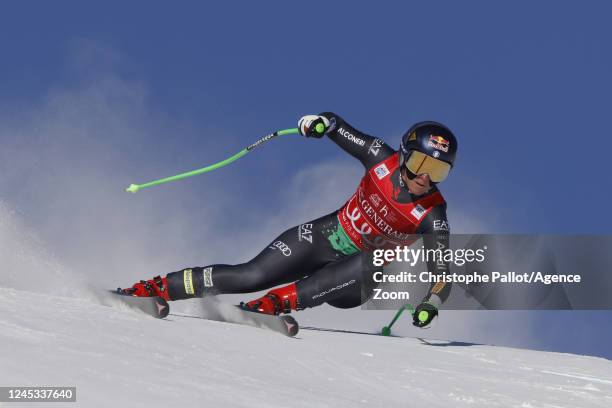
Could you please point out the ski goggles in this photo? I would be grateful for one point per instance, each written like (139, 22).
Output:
(420, 163)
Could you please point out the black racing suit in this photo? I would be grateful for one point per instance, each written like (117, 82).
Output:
(326, 267)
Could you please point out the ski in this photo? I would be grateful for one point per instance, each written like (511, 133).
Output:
(285, 325)
(216, 311)
(154, 306)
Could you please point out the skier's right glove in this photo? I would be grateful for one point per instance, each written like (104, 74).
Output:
(424, 314)
(313, 126)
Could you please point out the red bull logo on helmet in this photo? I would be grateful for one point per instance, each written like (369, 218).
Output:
(438, 142)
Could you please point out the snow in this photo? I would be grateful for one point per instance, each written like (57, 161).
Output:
(119, 357)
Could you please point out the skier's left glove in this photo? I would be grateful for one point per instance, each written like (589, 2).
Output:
(424, 314)
(313, 126)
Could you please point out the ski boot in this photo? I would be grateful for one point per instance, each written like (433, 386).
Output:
(275, 302)
(157, 286)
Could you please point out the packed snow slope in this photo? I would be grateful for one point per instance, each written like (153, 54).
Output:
(117, 357)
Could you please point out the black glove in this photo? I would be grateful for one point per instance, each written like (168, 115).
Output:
(313, 125)
(424, 314)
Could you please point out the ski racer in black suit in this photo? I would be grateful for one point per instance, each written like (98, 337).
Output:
(329, 260)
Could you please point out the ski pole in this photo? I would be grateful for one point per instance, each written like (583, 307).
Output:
(133, 188)
(386, 331)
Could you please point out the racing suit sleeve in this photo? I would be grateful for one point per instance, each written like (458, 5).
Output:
(436, 230)
(369, 150)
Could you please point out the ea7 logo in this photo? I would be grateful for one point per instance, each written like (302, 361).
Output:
(441, 225)
(284, 248)
(305, 232)
(375, 147)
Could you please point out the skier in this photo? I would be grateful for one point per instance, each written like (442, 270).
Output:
(328, 260)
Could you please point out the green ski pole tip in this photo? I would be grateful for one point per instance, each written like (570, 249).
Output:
(423, 315)
(386, 331)
(133, 188)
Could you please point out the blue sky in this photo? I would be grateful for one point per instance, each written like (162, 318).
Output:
(519, 82)
(524, 85)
